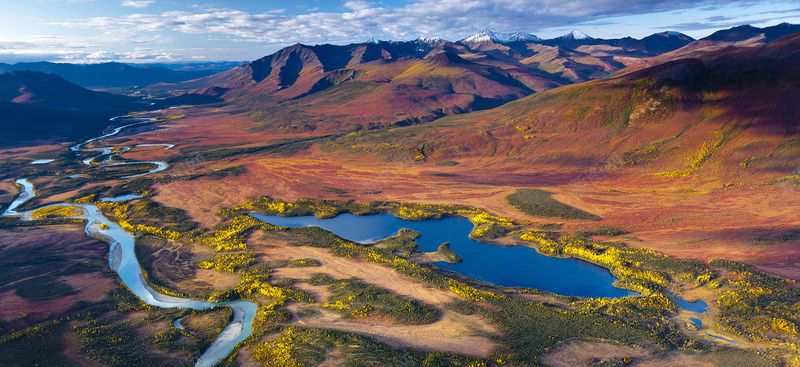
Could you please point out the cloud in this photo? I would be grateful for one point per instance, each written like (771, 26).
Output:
(719, 18)
(80, 49)
(357, 5)
(450, 19)
(76, 56)
(359, 20)
(137, 3)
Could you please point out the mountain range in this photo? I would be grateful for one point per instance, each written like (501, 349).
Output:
(365, 86)
(114, 74)
(726, 114)
(375, 84)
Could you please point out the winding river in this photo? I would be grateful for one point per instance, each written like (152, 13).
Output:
(106, 153)
(122, 257)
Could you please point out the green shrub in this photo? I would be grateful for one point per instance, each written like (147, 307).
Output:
(539, 203)
(354, 297)
(447, 163)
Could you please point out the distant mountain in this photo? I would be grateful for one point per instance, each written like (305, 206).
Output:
(721, 41)
(200, 66)
(111, 74)
(369, 85)
(745, 32)
(576, 35)
(660, 43)
(652, 45)
(54, 92)
(575, 56)
(378, 84)
(487, 35)
(36, 106)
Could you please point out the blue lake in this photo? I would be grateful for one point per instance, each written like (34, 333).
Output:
(504, 266)
(698, 306)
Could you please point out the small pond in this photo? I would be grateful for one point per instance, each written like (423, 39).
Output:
(505, 266)
(698, 306)
(725, 339)
(122, 198)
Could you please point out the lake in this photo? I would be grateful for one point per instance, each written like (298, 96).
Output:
(698, 306)
(517, 266)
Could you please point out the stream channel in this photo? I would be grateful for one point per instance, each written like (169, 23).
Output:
(122, 257)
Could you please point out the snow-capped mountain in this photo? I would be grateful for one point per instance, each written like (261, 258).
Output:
(428, 40)
(487, 35)
(576, 35)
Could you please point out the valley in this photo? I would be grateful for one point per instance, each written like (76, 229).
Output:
(672, 169)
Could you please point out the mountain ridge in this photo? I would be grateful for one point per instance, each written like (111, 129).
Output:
(38, 106)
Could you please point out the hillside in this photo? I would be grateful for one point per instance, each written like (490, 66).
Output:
(54, 92)
(22, 123)
(365, 86)
(676, 119)
(382, 83)
(37, 106)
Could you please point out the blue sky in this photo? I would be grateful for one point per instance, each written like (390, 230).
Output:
(242, 30)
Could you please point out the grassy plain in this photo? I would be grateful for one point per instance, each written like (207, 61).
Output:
(677, 216)
(701, 218)
(62, 306)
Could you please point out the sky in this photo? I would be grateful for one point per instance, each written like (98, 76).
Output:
(147, 31)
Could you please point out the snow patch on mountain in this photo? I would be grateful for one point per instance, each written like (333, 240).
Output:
(487, 35)
(576, 35)
(429, 40)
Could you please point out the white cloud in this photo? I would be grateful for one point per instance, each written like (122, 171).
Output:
(450, 19)
(85, 56)
(90, 49)
(137, 3)
(360, 20)
(357, 5)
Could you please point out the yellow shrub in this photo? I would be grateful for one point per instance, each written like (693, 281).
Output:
(57, 211)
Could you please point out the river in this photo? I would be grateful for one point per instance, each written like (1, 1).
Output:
(108, 152)
(122, 257)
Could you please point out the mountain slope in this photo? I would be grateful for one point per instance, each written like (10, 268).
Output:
(54, 92)
(401, 92)
(726, 116)
(370, 85)
(35, 106)
(23, 124)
